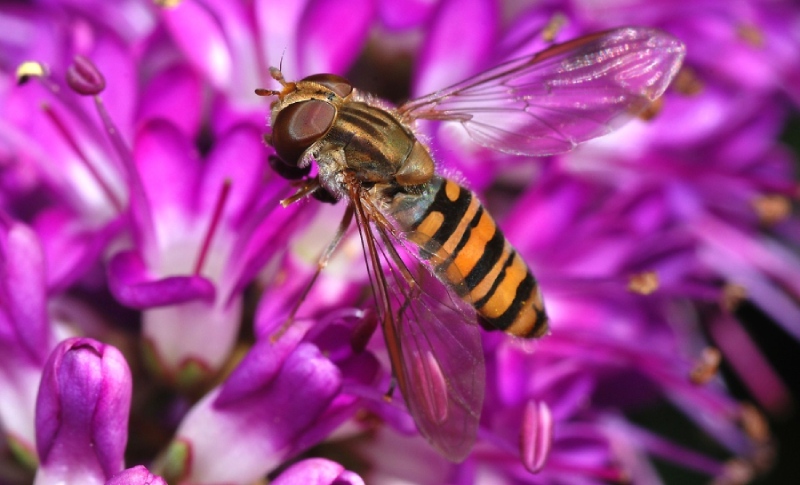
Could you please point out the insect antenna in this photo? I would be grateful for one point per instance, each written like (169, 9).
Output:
(276, 75)
(266, 92)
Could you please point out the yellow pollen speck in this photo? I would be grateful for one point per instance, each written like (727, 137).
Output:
(751, 34)
(754, 423)
(643, 283)
(29, 69)
(772, 209)
(554, 26)
(167, 3)
(687, 83)
(736, 471)
(280, 278)
(706, 367)
(732, 295)
(652, 109)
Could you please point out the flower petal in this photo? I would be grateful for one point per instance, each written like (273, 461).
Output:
(325, 43)
(82, 413)
(202, 39)
(133, 286)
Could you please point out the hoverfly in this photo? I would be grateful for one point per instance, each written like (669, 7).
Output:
(435, 256)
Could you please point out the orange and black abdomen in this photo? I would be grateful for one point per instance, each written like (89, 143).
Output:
(467, 249)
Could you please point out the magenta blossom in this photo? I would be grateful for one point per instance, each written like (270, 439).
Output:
(82, 413)
(26, 334)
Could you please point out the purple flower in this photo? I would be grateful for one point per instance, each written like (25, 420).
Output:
(245, 428)
(82, 413)
(26, 336)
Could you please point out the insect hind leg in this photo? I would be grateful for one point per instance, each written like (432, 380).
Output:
(324, 258)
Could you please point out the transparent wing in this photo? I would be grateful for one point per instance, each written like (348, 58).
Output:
(572, 92)
(433, 340)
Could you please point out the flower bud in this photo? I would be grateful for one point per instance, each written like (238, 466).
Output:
(137, 475)
(317, 471)
(82, 413)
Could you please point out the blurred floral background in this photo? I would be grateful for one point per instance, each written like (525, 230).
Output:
(145, 260)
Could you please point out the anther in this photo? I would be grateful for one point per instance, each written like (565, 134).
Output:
(29, 69)
(732, 296)
(706, 367)
(772, 209)
(652, 110)
(751, 34)
(84, 77)
(687, 83)
(167, 3)
(554, 26)
(754, 423)
(643, 283)
(536, 438)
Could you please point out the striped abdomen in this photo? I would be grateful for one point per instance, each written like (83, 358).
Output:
(468, 249)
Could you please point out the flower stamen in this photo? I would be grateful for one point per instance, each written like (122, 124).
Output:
(732, 296)
(751, 34)
(29, 69)
(754, 424)
(687, 82)
(707, 367)
(556, 23)
(772, 209)
(222, 198)
(643, 283)
(61, 127)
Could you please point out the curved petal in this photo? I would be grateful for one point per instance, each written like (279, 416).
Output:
(435, 67)
(238, 158)
(201, 38)
(169, 168)
(173, 94)
(327, 44)
(133, 286)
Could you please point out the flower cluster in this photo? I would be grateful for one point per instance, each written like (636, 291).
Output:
(146, 260)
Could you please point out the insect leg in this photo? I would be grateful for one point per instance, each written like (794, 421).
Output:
(380, 288)
(306, 189)
(323, 261)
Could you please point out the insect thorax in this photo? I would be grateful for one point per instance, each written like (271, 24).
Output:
(373, 146)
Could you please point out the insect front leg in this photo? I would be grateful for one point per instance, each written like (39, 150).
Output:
(332, 164)
(309, 186)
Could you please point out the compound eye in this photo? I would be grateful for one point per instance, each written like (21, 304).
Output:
(298, 126)
(337, 84)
